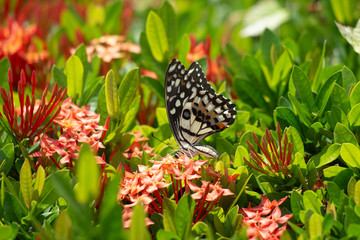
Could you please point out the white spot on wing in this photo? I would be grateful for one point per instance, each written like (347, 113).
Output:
(173, 111)
(177, 103)
(172, 68)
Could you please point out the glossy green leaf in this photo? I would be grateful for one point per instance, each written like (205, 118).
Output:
(183, 216)
(350, 154)
(343, 135)
(156, 36)
(357, 193)
(166, 235)
(82, 54)
(353, 230)
(355, 95)
(26, 183)
(9, 232)
(304, 115)
(349, 80)
(111, 93)
(337, 116)
(39, 183)
(303, 88)
(316, 83)
(340, 98)
(314, 228)
(169, 212)
(102, 105)
(327, 155)
(296, 201)
(311, 201)
(354, 116)
(184, 48)
(325, 91)
(168, 17)
(7, 158)
(286, 118)
(351, 187)
(88, 176)
(4, 67)
(295, 139)
(138, 230)
(127, 89)
(161, 116)
(240, 153)
(244, 87)
(74, 74)
(58, 76)
(269, 41)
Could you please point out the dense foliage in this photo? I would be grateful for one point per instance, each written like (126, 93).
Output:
(86, 150)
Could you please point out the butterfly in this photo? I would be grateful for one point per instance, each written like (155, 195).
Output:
(194, 110)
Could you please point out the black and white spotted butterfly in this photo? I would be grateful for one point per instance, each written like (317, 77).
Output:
(194, 110)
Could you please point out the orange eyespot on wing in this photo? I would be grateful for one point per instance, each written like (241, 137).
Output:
(221, 125)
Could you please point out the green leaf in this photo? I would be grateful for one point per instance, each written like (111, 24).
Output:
(351, 187)
(323, 97)
(303, 88)
(39, 183)
(304, 115)
(296, 201)
(168, 16)
(102, 106)
(343, 135)
(269, 41)
(184, 48)
(9, 232)
(58, 76)
(127, 90)
(340, 98)
(138, 230)
(183, 216)
(250, 90)
(169, 212)
(161, 116)
(240, 153)
(4, 68)
(88, 176)
(311, 201)
(7, 158)
(155, 87)
(316, 83)
(82, 54)
(156, 36)
(350, 154)
(354, 116)
(63, 226)
(26, 183)
(166, 235)
(286, 118)
(74, 74)
(113, 12)
(357, 193)
(314, 228)
(111, 93)
(355, 95)
(327, 155)
(295, 139)
(110, 215)
(349, 79)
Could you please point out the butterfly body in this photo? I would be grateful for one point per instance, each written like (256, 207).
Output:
(194, 110)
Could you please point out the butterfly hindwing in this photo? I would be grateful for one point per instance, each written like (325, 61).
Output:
(194, 110)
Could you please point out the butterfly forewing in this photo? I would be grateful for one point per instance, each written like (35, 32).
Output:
(194, 110)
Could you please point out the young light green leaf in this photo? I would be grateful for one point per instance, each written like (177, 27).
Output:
(26, 183)
(295, 139)
(7, 158)
(63, 226)
(240, 153)
(156, 36)
(39, 183)
(184, 48)
(168, 16)
(316, 83)
(311, 201)
(138, 230)
(169, 211)
(4, 67)
(161, 116)
(184, 215)
(343, 135)
(357, 193)
(350, 153)
(111, 93)
(354, 116)
(314, 228)
(74, 74)
(355, 95)
(88, 176)
(352, 35)
(127, 90)
(351, 187)
(327, 155)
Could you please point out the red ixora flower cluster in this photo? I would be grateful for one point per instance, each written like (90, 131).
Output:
(21, 46)
(136, 150)
(33, 117)
(78, 125)
(279, 157)
(149, 187)
(264, 220)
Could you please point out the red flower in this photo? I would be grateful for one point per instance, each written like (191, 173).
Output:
(265, 220)
(33, 117)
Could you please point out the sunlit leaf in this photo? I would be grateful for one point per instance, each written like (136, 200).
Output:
(156, 36)
(349, 153)
(74, 74)
(111, 93)
(127, 90)
(138, 230)
(26, 183)
(39, 182)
